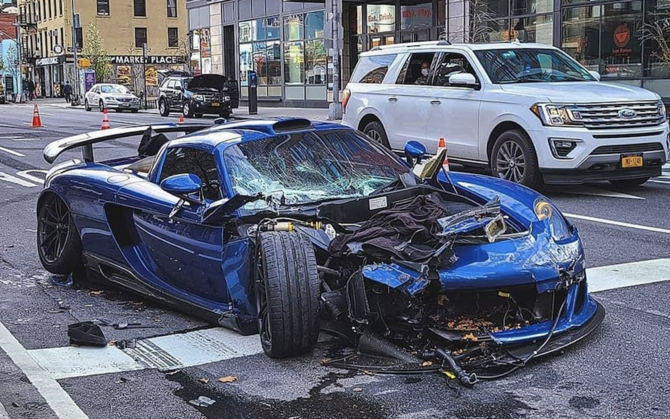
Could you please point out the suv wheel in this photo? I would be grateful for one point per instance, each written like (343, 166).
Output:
(188, 113)
(163, 108)
(376, 131)
(514, 159)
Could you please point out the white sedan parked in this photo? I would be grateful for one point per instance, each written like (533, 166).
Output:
(111, 96)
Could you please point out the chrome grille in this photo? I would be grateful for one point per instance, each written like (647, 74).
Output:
(211, 97)
(608, 115)
(628, 148)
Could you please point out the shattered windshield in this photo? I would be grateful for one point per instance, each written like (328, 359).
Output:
(311, 166)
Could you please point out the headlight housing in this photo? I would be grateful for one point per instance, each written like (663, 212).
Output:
(559, 227)
(199, 98)
(226, 98)
(662, 110)
(558, 115)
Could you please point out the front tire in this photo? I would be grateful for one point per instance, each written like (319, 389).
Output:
(87, 106)
(163, 108)
(188, 113)
(58, 242)
(287, 288)
(101, 106)
(513, 158)
(376, 131)
(628, 183)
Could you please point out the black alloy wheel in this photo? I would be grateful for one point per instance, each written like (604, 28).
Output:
(58, 243)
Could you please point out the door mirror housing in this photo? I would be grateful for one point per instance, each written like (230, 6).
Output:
(414, 150)
(463, 79)
(595, 75)
(182, 185)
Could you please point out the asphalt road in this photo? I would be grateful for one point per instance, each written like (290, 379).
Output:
(620, 371)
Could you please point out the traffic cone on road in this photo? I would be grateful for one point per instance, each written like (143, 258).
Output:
(181, 119)
(442, 145)
(37, 121)
(105, 119)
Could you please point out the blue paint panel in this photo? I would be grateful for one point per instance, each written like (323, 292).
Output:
(392, 274)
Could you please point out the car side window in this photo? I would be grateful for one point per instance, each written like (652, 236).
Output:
(448, 64)
(372, 69)
(181, 160)
(417, 69)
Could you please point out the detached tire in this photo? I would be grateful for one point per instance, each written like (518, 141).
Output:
(58, 242)
(287, 294)
(376, 131)
(628, 183)
(513, 158)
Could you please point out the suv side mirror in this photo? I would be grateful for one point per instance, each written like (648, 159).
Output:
(463, 79)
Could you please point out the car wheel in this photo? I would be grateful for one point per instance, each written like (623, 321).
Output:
(629, 183)
(198, 115)
(58, 242)
(163, 108)
(514, 159)
(135, 110)
(101, 105)
(225, 114)
(376, 131)
(187, 110)
(87, 106)
(287, 289)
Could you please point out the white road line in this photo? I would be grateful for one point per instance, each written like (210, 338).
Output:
(57, 398)
(591, 191)
(15, 153)
(628, 274)
(618, 223)
(3, 412)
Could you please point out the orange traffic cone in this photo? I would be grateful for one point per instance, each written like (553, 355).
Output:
(105, 119)
(181, 119)
(37, 121)
(442, 145)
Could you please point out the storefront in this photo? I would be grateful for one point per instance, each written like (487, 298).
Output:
(604, 35)
(48, 76)
(137, 73)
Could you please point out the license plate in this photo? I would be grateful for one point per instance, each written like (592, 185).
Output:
(631, 160)
(215, 103)
(125, 104)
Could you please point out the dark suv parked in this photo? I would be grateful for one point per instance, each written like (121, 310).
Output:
(195, 96)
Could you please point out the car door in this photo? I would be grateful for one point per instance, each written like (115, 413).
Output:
(180, 249)
(168, 90)
(454, 110)
(93, 95)
(406, 113)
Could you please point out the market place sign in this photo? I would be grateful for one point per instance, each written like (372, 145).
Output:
(152, 59)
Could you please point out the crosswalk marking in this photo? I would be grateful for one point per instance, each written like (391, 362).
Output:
(628, 274)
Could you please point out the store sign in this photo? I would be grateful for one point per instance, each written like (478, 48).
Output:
(417, 16)
(381, 18)
(47, 61)
(152, 59)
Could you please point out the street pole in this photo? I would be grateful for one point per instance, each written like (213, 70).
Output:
(75, 98)
(19, 57)
(144, 75)
(335, 109)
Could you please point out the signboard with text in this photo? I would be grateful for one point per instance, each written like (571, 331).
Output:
(152, 59)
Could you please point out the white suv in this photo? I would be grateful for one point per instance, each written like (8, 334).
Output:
(528, 111)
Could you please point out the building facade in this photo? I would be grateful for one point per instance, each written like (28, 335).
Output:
(286, 42)
(125, 26)
(10, 70)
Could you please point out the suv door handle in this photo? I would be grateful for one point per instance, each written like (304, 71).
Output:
(393, 99)
(435, 102)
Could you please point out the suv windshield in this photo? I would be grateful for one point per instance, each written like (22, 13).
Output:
(310, 166)
(516, 65)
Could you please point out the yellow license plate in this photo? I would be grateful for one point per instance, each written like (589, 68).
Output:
(215, 103)
(631, 160)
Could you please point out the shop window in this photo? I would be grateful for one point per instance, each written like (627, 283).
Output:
(294, 28)
(246, 62)
(272, 26)
(171, 8)
(380, 18)
(417, 16)
(372, 69)
(489, 9)
(314, 25)
(531, 7)
(140, 8)
(539, 29)
(657, 44)
(294, 64)
(173, 37)
(259, 57)
(140, 37)
(274, 62)
(315, 62)
(260, 50)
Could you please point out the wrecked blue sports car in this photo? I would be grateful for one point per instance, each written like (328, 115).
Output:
(286, 228)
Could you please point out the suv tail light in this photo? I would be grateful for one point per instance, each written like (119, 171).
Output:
(346, 94)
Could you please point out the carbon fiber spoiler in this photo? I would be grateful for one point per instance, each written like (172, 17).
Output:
(86, 140)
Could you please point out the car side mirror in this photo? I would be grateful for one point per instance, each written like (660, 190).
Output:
(414, 152)
(595, 75)
(463, 80)
(182, 185)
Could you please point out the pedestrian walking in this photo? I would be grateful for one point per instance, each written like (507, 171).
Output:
(31, 89)
(67, 90)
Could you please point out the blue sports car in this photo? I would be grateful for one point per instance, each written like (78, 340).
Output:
(286, 228)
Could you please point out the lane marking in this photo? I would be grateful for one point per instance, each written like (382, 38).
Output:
(27, 174)
(627, 274)
(3, 412)
(18, 181)
(618, 223)
(592, 191)
(15, 153)
(58, 400)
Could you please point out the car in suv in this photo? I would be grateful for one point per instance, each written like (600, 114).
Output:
(195, 96)
(529, 112)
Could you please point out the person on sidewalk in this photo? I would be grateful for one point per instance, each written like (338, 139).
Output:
(67, 90)
(31, 89)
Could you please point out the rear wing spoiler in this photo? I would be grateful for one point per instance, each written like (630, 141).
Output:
(86, 141)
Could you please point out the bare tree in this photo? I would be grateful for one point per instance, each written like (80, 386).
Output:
(476, 23)
(657, 32)
(136, 70)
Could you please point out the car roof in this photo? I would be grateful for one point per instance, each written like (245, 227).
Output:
(439, 45)
(225, 135)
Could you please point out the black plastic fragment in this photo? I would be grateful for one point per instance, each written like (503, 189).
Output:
(86, 334)
(373, 344)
